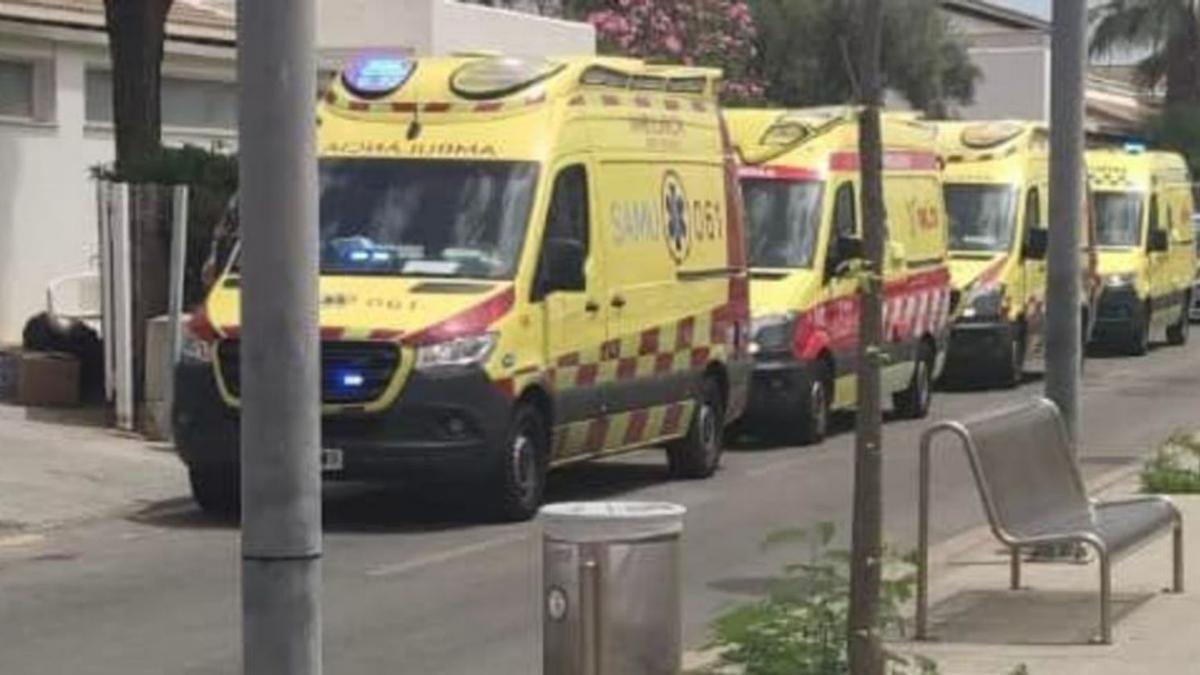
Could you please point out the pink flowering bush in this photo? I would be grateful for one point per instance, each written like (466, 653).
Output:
(718, 33)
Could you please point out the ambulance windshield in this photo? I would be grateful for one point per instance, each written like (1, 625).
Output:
(982, 217)
(1119, 219)
(424, 218)
(783, 218)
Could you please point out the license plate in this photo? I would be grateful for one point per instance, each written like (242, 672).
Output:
(332, 459)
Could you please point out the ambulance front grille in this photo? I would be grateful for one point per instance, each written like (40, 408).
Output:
(351, 372)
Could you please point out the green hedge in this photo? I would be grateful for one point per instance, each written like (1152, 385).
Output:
(212, 178)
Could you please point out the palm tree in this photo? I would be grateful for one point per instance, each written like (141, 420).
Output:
(1168, 31)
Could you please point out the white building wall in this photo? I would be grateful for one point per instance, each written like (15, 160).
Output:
(47, 218)
(462, 27)
(48, 225)
(1014, 83)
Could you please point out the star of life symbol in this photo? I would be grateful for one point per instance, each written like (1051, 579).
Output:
(679, 242)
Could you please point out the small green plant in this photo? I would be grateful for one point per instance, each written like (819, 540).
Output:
(800, 627)
(1175, 468)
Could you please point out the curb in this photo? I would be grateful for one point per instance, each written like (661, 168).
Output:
(695, 661)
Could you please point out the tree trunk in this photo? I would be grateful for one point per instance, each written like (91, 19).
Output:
(136, 31)
(865, 648)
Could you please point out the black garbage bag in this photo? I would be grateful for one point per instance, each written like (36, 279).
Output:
(46, 333)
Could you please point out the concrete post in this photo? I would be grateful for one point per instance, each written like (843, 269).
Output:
(281, 474)
(1064, 331)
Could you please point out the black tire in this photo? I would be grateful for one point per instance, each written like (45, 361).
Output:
(914, 401)
(698, 455)
(813, 416)
(1139, 339)
(1011, 371)
(1177, 335)
(518, 481)
(216, 490)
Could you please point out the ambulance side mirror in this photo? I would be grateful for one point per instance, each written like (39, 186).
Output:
(845, 250)
(562, 269)
(1037, 243)
(1159, 241)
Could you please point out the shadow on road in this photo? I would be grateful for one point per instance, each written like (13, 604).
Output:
(963, 384)
(764, 437)
(995, 617)
(394, 509)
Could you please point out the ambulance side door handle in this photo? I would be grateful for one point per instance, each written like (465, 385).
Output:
(591, 307)
(618, 301)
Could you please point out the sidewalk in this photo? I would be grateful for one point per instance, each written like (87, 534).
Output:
(64, 466)
(981, 628)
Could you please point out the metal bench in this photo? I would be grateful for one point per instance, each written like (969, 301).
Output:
(1033, 495)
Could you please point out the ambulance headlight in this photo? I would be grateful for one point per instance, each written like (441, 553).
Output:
(985, 301)
(196, 339)
(463, 351)
(771, 333)
(1120, 280)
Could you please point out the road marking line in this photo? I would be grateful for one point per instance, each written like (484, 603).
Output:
(18, 540)
(771, 467)
(447, 556)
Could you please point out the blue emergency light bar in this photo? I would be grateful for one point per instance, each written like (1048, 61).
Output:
(375, 75)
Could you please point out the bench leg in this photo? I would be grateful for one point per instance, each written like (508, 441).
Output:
(1014, 568)
(1105, 598)
(1177, 561)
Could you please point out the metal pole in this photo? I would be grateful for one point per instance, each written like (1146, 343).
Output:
(179, 206)
(865, 649)
(281, 475)
(1064, 331)
(123, 310)
(108, 322)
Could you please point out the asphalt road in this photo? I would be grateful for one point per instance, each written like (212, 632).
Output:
(413, 587)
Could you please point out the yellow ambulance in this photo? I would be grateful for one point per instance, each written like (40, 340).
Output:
(997, 183)
(524, 263)
(800, 185)
(1143, 205)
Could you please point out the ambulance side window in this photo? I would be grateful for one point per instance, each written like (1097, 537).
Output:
(565, 246)
(1154, 225)
(845, 218)
(845, 229)
(1033, 211)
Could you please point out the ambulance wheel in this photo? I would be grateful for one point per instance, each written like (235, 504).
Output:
(519, 479)
(1177, 335)
(913, 403)
(1139, 339)
(1012, 370)
(814, 413)
(217, 490)
(698, 454)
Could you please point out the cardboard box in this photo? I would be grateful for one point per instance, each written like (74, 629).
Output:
(48, 379)
(10, 364)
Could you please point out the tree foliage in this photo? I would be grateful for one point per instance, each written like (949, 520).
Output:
(718, 33)
(136, 35)
(806, 57)
(1166, 31)
(1178, 128)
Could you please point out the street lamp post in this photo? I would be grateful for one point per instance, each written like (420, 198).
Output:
(1064, 331)
(280, 435)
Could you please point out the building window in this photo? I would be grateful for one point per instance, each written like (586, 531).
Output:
(186, 103)
(17, 90)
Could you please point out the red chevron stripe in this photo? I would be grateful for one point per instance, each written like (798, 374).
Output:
(671, 420)
(636, 431)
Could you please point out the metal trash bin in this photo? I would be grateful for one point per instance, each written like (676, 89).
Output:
(612, 592)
